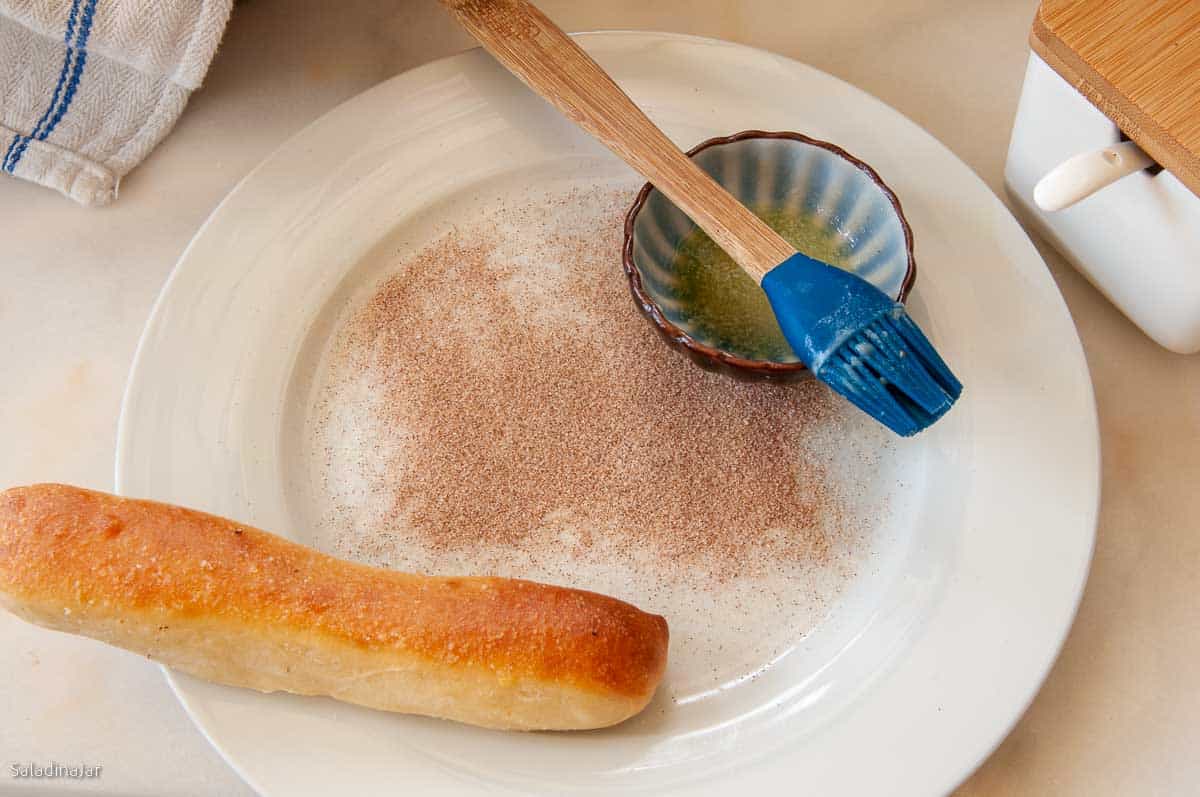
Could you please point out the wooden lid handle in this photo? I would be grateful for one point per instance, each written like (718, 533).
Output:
(548, 61)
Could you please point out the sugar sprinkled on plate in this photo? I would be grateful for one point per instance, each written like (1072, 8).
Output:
(497, 405)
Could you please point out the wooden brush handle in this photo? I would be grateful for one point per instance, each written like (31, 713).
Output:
(538, 52)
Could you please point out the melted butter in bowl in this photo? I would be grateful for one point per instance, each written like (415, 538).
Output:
(724, 304)
(824, 201)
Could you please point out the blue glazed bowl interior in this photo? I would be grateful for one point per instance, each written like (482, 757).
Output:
(828, 187)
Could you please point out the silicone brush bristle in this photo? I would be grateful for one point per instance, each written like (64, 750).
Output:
(861, 342)
(890, 370)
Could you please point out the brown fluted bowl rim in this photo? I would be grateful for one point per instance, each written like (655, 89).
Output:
(709, 357)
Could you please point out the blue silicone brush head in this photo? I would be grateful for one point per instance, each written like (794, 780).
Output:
(860, 342)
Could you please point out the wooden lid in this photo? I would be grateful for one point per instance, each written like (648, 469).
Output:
(1138, 61)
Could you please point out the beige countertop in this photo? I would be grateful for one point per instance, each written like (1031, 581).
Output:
(1120, 712)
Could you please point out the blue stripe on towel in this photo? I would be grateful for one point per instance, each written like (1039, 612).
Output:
(68, 39)
(72, 70)
(11, 147)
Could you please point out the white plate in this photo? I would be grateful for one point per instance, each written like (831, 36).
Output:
(981, 536)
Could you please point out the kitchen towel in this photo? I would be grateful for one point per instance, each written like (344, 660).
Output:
(89, 87)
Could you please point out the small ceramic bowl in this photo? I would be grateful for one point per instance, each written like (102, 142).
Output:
(788, 172)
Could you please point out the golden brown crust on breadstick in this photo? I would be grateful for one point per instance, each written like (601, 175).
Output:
(100, 561)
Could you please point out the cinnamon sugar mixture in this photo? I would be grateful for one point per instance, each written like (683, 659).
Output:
(499, 406)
